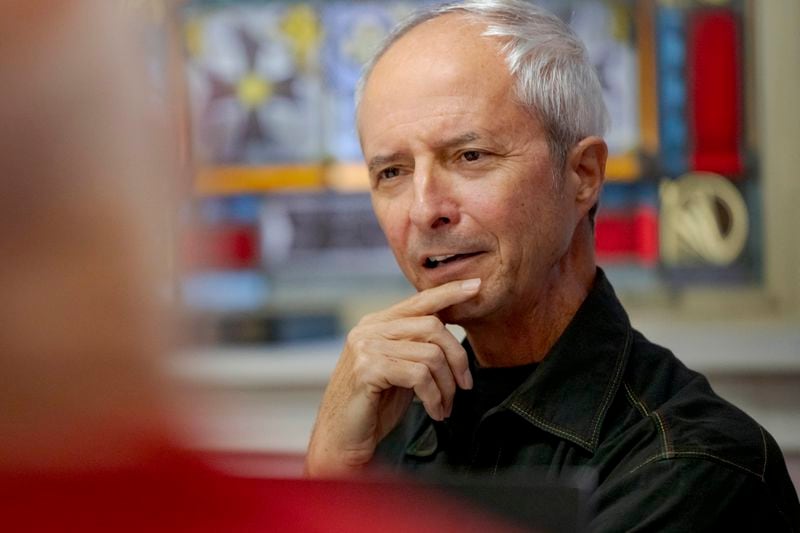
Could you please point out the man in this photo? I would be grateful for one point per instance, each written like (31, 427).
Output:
(481, 124)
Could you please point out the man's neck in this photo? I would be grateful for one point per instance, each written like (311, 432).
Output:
(522, 336)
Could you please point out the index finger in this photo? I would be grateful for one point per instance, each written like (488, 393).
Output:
(435, 299)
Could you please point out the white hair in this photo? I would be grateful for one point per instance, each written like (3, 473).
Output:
(554, 78)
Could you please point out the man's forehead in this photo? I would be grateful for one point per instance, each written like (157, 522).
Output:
(435, 123)
(449, 44)
(441, 58)
(446, 34)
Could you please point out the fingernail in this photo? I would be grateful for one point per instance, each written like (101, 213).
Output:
(471, 284)
(467, 379)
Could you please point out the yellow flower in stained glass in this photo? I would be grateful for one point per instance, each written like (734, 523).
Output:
(252, 90)
(302, 29)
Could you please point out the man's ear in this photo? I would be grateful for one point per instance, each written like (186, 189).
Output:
(586, 165)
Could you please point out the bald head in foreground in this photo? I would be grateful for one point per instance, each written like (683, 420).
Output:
(482, 127)
(92, 435)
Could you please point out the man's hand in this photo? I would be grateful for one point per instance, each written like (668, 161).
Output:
(387, 358)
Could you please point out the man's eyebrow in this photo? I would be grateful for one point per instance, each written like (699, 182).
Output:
(380, 160)
(458, 140)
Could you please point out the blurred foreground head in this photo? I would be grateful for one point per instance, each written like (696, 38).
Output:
(82, 218)
(83, 211)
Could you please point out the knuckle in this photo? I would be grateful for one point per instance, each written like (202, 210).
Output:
(432, 323)
(361, 345)
(362, 365)
(421, 374)
(434, 351)
(434, 357)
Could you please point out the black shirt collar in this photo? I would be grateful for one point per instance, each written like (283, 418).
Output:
(571, 390)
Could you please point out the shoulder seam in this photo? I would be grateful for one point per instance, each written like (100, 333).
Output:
(635, 401)
(694, 455)
(662, 429)
(611, 390)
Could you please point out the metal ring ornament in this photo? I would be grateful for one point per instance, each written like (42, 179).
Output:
(691, 227)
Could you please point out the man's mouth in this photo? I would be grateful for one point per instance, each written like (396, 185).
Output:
(436, 260)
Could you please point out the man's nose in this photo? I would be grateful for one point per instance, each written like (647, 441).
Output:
(435, 200)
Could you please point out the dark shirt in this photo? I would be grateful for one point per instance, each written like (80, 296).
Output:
(667, 452)
(491, 387)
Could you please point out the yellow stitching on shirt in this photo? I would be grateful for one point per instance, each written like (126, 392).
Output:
(663, 430)
(555, 429)
(687, 454)
(726, 461)
(647, 461)
(636, 402)
(607, 397)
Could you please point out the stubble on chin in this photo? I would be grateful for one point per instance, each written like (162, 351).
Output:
(461, 314)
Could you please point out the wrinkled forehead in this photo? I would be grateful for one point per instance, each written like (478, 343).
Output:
(447, 56)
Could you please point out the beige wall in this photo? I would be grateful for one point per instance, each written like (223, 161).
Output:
(777, 49)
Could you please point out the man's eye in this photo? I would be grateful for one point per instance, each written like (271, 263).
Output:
(471, 155)
(387, 173)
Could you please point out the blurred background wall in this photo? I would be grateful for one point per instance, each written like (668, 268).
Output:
(279, 253)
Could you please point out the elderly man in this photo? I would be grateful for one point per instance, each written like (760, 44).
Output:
(481, 124)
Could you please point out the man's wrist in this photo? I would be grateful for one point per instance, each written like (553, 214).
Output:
(331, 467)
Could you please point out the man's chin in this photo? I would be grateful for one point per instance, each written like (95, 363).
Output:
(462, 313)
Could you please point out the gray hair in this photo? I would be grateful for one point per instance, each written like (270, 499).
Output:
(554, 78)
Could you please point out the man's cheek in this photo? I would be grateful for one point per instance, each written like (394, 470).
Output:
(399, 248)
(396, 235)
